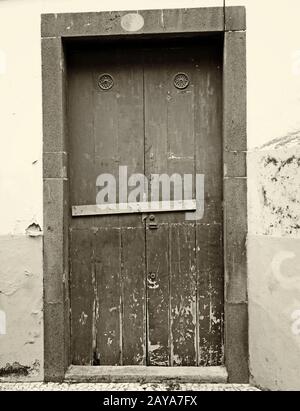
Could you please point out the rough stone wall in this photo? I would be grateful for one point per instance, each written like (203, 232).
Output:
(274, 180)
(274, 264)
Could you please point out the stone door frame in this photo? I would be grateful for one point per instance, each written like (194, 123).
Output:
(57, 29)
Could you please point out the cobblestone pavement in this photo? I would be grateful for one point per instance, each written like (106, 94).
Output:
(123, 387)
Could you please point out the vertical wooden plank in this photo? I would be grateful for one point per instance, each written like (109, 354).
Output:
(209, 231)
(183, 295)
(158, 296)
(208, 124)
(81, 134)
(108, 300)
(133, 296)
(155, 102)
(181, 135)
(81, 143)
(130, 121)
(210, 294)
(156, 148)
(82, 291)
(106, 124)
(181, 114)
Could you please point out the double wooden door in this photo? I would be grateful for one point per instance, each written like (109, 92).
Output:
(146, 291)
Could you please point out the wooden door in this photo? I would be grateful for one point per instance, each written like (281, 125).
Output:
(146, 290)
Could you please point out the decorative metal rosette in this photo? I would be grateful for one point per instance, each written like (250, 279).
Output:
(181, 81)
(105, 82)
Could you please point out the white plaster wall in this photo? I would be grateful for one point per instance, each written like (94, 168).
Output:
(273, 68)
(273, 49)
(21, 302)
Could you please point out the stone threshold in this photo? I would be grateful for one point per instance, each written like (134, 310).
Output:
(142, 374)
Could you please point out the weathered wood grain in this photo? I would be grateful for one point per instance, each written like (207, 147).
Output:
(208, 130)
(210, 294)
(133, 296)
(82, 296)
(158, 296)
(107, 302)
(134, 208)
(183, 295)
(209, 233)
(81, 131)
(106, 125)
(155, 291)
